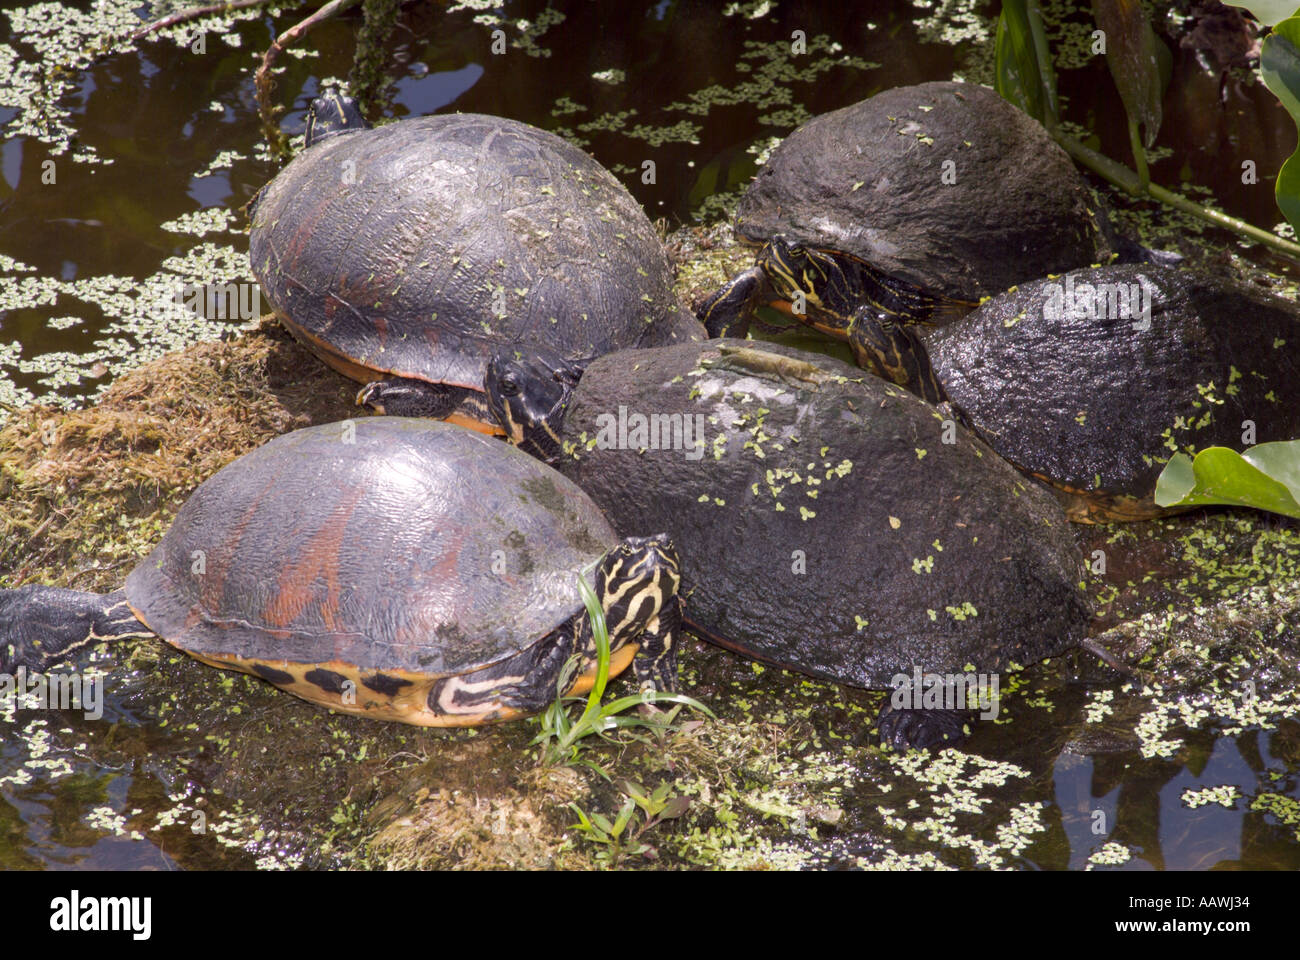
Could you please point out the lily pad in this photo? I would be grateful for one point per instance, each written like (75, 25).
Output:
(1266, 477)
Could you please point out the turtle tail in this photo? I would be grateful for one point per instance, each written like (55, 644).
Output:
(40, 626)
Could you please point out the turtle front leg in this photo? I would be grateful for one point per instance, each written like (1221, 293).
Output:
(729, 311)
(656, 662)
(405, 397)
(527, 682)
(40, 626)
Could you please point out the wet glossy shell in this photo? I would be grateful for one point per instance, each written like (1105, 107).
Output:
(826, 526)
(871, 180)
(420, 548)
(1094, 404)
(415, 248)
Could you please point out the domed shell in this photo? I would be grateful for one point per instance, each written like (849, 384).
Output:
(824, 524)
(944, 185)
(416, 248)
(1071, 378)
(388, 544)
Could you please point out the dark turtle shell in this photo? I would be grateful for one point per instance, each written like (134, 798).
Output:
(1061, 379)
(416, 248)
(944, 185)
(399, 545)
(824, 524)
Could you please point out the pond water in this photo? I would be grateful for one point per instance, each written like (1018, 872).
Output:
(120, 176)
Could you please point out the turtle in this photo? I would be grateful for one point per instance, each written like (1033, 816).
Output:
(829, 522)
(1091, 380)
(910, 205)
(399, 569)
(403, 255)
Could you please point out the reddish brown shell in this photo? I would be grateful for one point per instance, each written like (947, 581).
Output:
(418, 547)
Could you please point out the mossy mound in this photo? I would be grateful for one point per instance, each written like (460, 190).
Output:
(84, 493)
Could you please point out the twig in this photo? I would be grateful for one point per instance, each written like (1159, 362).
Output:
(1124, 178)
(193, 13)
(263, 77)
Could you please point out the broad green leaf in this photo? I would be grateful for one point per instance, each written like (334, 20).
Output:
(624, 816)
(1132, 53)
(1279, 65)
(1267, 11)
(1266, 477)
(1023, 72)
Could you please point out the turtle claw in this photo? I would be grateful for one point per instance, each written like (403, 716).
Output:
(922, 729)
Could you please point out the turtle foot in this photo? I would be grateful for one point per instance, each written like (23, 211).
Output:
(905, 729)
(402, 397)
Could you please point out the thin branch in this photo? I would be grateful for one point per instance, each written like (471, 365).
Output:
(1124, 178)
(193, 13)
(292, 35)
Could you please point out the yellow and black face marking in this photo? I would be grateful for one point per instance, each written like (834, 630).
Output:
(637, 584)
(792, 270)
(835, 285)
(830, 285)
(332, 113)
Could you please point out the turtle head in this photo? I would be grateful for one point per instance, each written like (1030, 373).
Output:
(527, 394)
(637, 584)
(792, 268)
(333, 113)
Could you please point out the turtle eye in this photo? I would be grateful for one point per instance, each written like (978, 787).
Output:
(509, 386)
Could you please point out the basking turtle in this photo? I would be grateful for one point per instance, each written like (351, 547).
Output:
(824, 523)
(403, 256)
(1092, 380)
(409, 570)
(913, 205)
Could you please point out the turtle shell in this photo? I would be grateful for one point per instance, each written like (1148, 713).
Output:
(406, 546)
(1059, 376)
(416, 248)
(824, 525)
(944, 185)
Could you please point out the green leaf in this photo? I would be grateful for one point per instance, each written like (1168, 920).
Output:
(635, 791)
(624, 815)
(1132, 53)
(1279, 66)
(1266, 477)
(1267, 11)
(658, 696)
(1023, 67)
